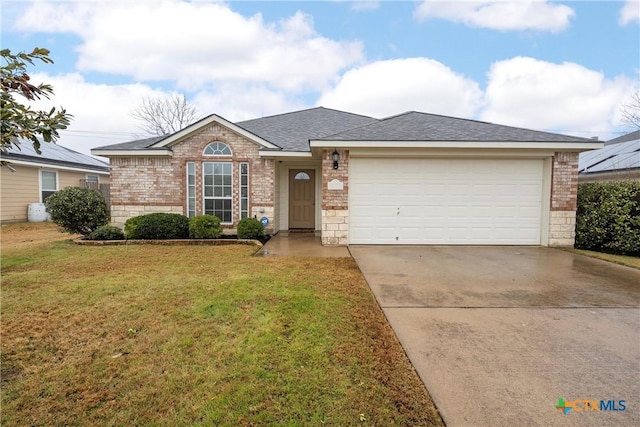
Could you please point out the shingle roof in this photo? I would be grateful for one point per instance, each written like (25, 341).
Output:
(138, 144)
(624, 138)
(53, 154)
(292, 131)
(415, 126)
(614, 157)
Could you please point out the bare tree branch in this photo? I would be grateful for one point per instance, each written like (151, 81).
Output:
(631, 111)
(165, 115)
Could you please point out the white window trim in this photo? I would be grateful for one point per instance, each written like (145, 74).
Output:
(40, 182)
(217, 155)
(214, 198)
(86, 177)
(240, 189)
(188, 205)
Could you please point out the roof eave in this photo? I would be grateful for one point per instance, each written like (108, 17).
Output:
(131, 153)
(576, 146)
(62, 166)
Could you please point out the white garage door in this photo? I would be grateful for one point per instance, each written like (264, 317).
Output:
(445, 201)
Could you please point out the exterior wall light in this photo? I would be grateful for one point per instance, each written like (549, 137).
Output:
(335, 156)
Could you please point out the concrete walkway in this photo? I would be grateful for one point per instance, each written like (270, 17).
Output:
(300, 245)
(499, 334)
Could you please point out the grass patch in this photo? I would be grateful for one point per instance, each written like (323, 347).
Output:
(627, 260)
(197, 335)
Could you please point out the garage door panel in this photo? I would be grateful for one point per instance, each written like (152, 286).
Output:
(445, 201)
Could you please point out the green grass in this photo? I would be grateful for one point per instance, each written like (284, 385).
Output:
(197, 335)
(629, 261)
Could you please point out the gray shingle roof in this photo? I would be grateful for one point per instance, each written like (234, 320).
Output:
(53, 154)
(138, 144)
(624, 138)
(415, 126)
(292, 131)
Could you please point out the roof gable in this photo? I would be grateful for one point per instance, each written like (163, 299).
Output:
(175, 138)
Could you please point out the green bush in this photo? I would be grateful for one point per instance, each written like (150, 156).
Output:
(205, 227)
(78, 210)
(608, 217)
(160, 226)
(250, 228)
(130, 226)
(106, 232)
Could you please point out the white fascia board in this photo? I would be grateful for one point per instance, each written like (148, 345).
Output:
(558, 146)
(304, 154)
(208, 121)
(54, 166)
(131, 153)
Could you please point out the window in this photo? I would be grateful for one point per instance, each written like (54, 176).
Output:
(93, 178)
(191, 189)
(48, 184)
(302, 176)
(218, 194)
(217, 149)
(244, 190)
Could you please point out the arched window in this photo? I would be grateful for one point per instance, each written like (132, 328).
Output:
(217, 149)
(302, 176)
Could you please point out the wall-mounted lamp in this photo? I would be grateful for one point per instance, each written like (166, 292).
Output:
(335, 156)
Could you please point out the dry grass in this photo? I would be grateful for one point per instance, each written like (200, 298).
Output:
(171, 335)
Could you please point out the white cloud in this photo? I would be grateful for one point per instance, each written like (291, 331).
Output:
(567, 97)
(390, 87)
(499, 14)
(630, 12)
(102, 112)
(192, 43)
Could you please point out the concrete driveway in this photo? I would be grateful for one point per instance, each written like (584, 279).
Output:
(499, 334)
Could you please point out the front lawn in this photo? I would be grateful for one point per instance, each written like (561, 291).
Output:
(197, 335)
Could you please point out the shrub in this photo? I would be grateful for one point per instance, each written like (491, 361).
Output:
(130, 226)
(608, 217)
(205, 227)
(250, 228)
(78, 210)
(106, 232)
(161, 226)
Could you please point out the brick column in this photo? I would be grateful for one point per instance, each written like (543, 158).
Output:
(335, 199)
(564, 193)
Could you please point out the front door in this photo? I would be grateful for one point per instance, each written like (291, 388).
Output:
(302, 198)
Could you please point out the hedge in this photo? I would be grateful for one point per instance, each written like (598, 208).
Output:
(158, 226)
(608, 217)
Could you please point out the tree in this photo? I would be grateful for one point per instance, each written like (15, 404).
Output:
(631, 111)
(19, 120)
(165, 115)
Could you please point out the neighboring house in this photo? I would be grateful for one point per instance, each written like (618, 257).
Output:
(413, 178)
(31, 177)
(618, 160)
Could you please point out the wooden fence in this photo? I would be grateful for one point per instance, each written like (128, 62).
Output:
(104, 189)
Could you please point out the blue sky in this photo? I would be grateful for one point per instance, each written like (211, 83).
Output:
(563, 66)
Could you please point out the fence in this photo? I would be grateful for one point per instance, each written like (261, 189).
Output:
(104, 189)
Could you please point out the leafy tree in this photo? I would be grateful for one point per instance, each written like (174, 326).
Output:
(164, 116)
(19, 120)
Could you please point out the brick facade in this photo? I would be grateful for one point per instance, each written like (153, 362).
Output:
(158, 184)
(335, 202)
(564, 199)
